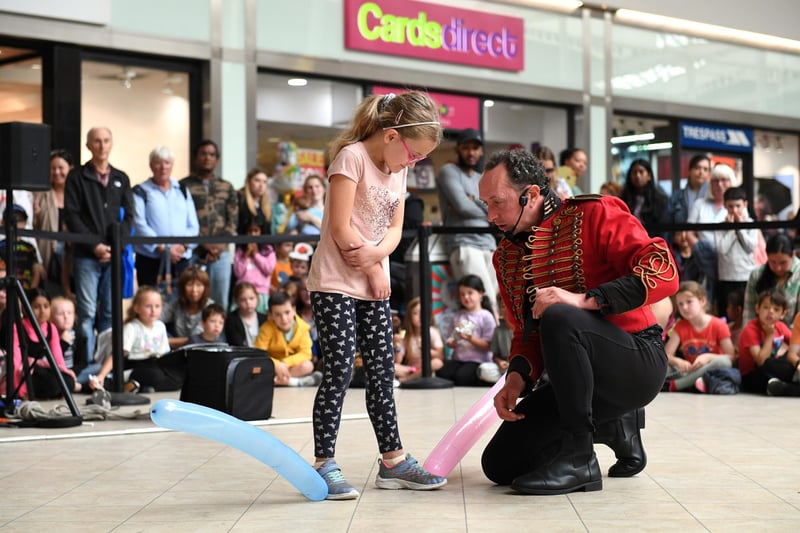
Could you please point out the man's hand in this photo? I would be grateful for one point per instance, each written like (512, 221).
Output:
(103, 252)
(176, 252)
(547, 296)
(506, 400)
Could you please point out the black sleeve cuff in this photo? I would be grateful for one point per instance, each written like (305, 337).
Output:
(620, 295)
(521, 366)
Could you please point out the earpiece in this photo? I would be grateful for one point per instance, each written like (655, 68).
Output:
(523, 199)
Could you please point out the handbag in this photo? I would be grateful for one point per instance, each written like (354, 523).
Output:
(164, 282)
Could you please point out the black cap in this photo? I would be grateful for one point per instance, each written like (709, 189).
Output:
(470, 134)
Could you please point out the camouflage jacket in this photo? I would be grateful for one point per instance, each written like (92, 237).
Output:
(217, 207)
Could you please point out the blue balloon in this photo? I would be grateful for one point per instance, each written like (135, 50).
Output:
(216, 425)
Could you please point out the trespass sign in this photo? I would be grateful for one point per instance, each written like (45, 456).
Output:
(433, 31)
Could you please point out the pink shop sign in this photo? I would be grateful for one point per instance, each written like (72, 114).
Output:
(455, 111)
(433, 31)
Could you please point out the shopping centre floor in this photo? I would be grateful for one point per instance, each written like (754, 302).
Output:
(716, 463)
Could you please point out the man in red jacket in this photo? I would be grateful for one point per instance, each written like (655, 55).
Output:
(577, 277)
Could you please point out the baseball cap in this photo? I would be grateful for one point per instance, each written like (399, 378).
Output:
(470, 134)
(17, 210)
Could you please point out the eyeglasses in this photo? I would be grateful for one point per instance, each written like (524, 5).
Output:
(411, 157)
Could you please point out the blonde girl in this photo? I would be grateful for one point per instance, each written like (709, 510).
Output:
(704, 340)
(144, 342)
(408, 359)
(349, 278)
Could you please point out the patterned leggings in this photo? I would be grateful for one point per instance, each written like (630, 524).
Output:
(345, 325)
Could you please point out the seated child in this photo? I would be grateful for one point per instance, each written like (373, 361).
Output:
(144, 344)
(241, 326)
(500, 345)
(734, 314)
(213, 321)
(765, 362)
(283, 265)
(704, 340)
(301, 259)
(469, 335)
(73, 345)
(408, 347)
(286, 337)
(255, 263)
(45, 382)
(29, 269)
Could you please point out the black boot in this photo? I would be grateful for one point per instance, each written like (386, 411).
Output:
(574, 468)
(622, 435)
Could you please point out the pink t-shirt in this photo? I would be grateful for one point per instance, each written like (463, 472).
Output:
(377, 199)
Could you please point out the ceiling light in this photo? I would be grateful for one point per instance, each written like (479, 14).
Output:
(488, 103)
(707, 31)
(297, 82)
(563, 6)
(633, 138)
(36, 66)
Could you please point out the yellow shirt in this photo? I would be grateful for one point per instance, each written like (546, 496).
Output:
(293, 352)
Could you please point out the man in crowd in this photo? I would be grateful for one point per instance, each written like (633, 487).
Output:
(217, 208)
(469, 253)
(681, 201)
(163, 207)
(577, 277)
(95, 197)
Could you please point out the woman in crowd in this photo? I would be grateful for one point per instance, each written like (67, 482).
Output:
(644, 197)
(308, 219)
(711, 209)
(48, 215)
(254, 203)
(781, 271)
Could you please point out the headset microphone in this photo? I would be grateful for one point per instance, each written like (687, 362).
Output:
(523, 201)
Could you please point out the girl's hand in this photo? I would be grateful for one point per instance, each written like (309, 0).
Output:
(702, 360)
(361, 255)
(379, 283)
(682, 365)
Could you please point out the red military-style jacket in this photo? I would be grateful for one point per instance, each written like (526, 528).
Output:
(589, 244)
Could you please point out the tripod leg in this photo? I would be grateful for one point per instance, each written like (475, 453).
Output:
(47, 352)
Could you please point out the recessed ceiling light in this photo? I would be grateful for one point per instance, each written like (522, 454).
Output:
(36, 66)
(488, 103)
(297, 82)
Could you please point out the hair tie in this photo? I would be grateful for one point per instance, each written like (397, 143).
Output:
(385, 100)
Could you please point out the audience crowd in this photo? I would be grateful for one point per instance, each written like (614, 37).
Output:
(733, 325)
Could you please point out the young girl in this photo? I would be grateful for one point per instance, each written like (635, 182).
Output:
(470, 334)
(408, 358)
(44, 380)
(183, 315)
(349, 278)
(241, 326)
(704, 340)
(144, 341)
(254, 263)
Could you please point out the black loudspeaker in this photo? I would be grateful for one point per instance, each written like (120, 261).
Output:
(24, 156)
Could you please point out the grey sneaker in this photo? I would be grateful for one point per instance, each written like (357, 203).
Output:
(338, 487)
(409, 474)
(311, 380)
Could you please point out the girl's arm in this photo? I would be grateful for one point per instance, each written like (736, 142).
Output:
(239, 263)
(265, 261)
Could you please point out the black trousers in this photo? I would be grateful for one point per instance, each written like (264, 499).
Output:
(147, 269)
(774, 367)
(597, 372)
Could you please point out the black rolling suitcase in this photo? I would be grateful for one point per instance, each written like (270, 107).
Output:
(232, 379)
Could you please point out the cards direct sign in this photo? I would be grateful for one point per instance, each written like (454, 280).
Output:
(713, 137)
(435, 32)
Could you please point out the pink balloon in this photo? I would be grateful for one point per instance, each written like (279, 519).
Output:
(465, 433)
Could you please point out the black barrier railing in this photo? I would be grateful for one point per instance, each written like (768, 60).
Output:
(423, 234)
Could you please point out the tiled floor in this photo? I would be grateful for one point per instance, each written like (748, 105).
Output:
(716, 463)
